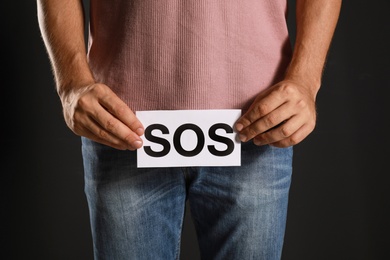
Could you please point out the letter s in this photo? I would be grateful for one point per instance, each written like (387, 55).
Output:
(155, 139)
(213, 135)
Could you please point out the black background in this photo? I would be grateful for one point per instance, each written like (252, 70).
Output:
(339, 200)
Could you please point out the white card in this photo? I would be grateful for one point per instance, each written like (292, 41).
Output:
(179, 138)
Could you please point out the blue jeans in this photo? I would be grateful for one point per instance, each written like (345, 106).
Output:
(238, 212)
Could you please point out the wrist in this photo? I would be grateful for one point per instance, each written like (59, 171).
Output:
(312, 83)
(74, 75)
(307, 73)
(66, 89)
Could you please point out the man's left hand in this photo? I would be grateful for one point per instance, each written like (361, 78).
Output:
(281, 116)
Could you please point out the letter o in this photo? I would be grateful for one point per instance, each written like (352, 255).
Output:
(177, 143)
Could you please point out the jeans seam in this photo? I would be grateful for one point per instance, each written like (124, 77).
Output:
(178, 244)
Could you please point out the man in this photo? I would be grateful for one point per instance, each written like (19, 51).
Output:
(157, 55)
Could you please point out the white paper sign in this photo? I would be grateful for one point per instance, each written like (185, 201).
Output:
(176, 138)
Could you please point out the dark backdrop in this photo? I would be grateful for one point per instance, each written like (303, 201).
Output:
(339, 198)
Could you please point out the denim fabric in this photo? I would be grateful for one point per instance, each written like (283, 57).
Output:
(238, 212)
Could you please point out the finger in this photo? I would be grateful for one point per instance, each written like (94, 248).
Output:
(261, 107)
(294, 139)
(123, 113)
(112, 125)
(114, 143)
(93, 131)
(267, 122)
(282, 131)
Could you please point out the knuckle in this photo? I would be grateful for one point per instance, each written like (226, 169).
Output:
(293, 140)
(111, 124)
(287, 89)
(78, 131)
(262, 108)
(120, 110)
(286, 131)
(98, 91)
(76, 119)
(301, 104)
(82, 102)
(245, 121)
(128, 138)
(253, 130)
(271, 120)
(97, 88)
(102, 134)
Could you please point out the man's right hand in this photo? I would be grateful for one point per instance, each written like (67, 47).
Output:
(97, 113)
(92, 110)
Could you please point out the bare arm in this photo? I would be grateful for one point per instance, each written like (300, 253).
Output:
(285, 114)
(316, 22)
(90, 109)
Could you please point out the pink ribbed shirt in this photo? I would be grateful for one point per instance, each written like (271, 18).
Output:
(188, 54)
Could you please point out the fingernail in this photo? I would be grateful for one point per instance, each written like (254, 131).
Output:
(137, 144)
(139, 131)
(239, 127)
(242, 137)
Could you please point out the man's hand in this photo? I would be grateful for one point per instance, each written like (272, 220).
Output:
(281, 116)
(92, 110)
(285, 114)
(99, 114)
